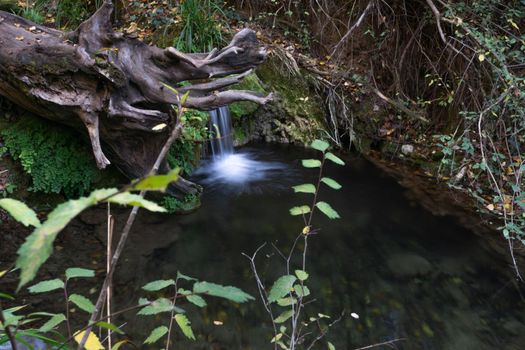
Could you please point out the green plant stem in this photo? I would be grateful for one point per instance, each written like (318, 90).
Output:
(68, 323)
(7, 329)
(129, 223)
(172, 316)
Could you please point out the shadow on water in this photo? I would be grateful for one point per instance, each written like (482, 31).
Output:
(407, 274)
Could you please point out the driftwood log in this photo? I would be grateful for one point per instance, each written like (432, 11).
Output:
(115, 87)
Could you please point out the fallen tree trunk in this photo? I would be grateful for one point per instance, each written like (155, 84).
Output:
(117, 88)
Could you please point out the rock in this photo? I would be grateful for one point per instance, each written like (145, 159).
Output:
(408, 265)
(407, 149)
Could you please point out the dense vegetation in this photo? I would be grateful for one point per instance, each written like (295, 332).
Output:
(440, 86)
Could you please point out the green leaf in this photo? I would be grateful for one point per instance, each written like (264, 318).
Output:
(320, 145)
(136, 201)
(39, 245)
(286, 301)
(82, 302)
(301, 275)
(196, 300)
(281, 287)
(118, 345)
(305, 188)
(157, 182)
(330, 346)
(77, 272)
(227, 292)
(158, 285)
(184, 98)
(184, 325)
(327, 210)
(156, 334)
(184, 277)
(284, 316)
(158, 306)
(171, 88)
(20, 212)
(331, 183)
(109, 326)
(304, 209)
(6, 296)
(301, 291)
(54, 321)
(334, 158)
(47, 286)
(311, 163)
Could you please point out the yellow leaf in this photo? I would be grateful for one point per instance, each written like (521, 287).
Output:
(481, 57)
(92, 342)
(490, 207)
(3, 273)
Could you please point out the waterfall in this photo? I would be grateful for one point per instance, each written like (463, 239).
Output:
(221, 132)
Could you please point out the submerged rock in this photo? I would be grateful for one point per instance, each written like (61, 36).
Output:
(408, 265)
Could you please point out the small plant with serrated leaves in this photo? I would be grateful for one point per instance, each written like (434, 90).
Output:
(286, 299)
(17, 328)
(195, 295)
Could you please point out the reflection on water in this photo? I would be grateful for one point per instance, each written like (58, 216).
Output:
(407, 274)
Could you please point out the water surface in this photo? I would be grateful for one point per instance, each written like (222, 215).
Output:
(407, 274)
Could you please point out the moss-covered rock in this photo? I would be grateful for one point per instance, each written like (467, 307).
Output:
(295, 116)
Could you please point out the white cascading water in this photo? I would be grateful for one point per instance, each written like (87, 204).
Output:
(221, 132)
(226, 166)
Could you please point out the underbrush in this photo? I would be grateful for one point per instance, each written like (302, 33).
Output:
(54, 157)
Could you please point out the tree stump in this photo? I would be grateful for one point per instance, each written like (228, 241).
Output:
(116, 88)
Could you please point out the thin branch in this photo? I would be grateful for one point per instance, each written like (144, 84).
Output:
(127, 228)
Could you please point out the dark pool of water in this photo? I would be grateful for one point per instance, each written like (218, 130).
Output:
(406, 273)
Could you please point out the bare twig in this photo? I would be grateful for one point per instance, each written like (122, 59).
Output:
(389, 342)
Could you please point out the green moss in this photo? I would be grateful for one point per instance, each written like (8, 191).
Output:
(295, 92)
(55, 159)
(241, 109)
(175, 206)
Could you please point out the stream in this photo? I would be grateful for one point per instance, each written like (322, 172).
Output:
(424, 281)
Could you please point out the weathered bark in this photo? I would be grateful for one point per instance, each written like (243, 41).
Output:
(115, 86)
